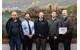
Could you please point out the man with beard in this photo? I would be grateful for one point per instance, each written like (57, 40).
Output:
(67, 25)
(41, 31)
(28, 29)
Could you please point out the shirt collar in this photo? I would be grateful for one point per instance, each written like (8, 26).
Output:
(53, 18)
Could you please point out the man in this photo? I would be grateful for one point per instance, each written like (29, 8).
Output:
(28, 29)
(14, 30)
(41, 31)
(53, 31)
(66, 22)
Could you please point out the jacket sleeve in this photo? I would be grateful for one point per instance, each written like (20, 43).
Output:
(35, 27)
(70, 26)
(21, 30)
(8, 27)
(47, 28)
(59, 24)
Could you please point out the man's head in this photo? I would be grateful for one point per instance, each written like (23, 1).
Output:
(53, 14)
(27, 16)
(14, 14)
(64, 13)
(41, 14)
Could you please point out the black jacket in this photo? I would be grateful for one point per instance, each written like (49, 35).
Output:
(66, 22)
(41, 28)
(8, 28)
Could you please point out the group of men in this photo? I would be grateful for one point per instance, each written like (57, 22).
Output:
(44, 30)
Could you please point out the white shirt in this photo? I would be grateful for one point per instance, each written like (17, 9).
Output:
(26, 27)
(53, 18)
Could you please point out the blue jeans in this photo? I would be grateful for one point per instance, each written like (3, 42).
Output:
(15, 42)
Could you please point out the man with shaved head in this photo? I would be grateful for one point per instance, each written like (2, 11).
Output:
(14, 30)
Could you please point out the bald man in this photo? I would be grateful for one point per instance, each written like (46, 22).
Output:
(67, 24)
(14, 30)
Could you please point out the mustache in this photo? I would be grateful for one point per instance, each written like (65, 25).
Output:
(27, 18)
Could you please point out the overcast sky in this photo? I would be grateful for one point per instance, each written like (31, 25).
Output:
(26, 3)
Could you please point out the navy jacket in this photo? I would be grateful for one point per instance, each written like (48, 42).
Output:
(9, 28)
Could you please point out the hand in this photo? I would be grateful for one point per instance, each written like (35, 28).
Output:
(55, 37)
(30, 36)
(47, 38)
(40, 35)
(64, 33)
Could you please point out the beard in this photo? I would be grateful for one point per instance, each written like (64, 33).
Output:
(14, 18)
(27, 18)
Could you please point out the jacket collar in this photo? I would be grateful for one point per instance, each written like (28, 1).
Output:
(39, 20)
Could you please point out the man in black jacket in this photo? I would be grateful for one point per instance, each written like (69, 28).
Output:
(67, 24)
(41, 31)
(14, 30)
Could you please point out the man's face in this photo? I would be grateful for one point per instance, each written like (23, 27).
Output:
(41, 14)
(14, 15)
(64, 13)
(53, 14)
(27, 17)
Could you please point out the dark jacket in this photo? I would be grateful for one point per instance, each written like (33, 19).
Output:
(9, 28)
(41, 28)
(66, 22)
(53, 26)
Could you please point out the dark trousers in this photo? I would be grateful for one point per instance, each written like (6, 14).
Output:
(53, 43)
(41, 42)
(15, 43)
(27, 43)
(66, 40)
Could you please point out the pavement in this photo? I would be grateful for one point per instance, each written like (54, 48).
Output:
(61, 47)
